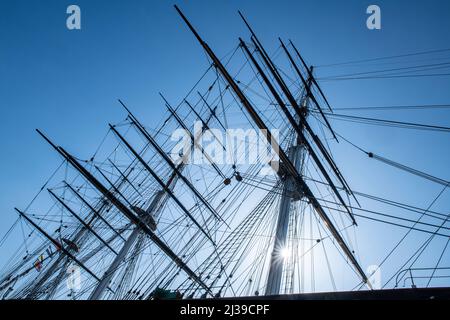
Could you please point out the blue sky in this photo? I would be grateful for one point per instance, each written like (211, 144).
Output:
(67, 82)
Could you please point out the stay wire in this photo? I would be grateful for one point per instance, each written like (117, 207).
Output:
(383, 58)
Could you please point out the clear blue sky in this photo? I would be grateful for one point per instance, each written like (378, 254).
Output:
(67, 82)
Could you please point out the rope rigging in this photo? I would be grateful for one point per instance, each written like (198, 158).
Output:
(389, 123)
(385, 58)
(125, 219)
(395, 164)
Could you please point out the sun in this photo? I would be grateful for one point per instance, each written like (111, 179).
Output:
(285, 253)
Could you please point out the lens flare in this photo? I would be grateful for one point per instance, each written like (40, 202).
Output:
(285, 253)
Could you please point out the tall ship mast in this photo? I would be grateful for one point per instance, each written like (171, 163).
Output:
(236, 193)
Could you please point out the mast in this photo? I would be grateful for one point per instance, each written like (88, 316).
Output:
(127, 212)
(153, 207)
(57, 244)
(161, 183)
(102, 285)
(193, 140)
(316, 139)
(307, 86)
(304, 122)
(54, 266)
(300, 114)
(96, 212)
(296, 152)
(166, 158)
(274, 278)
(278, 150)
(86, 225)
(311, 75)
(303, 142)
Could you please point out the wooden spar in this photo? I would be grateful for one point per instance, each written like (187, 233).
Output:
(256, 118)
(193, 140)
(125, 178)
(57, 244)
(213, 111)
(282, 83)
(278, 77)
(274, 70)
(53, 267)
(158, 148)
(127, 213)
(195, 143)
(283, 157)
(205, 125)
(288, 115)
(86, 225)
(307, 87)
(255, 39)
(97, 249)
(294, 123)
(277, 97)
(161, 183)
(91, 208)
(112, 185)
(273, 90)
(293, 102)
(316, 139)
(196, 113)
(311, 76)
